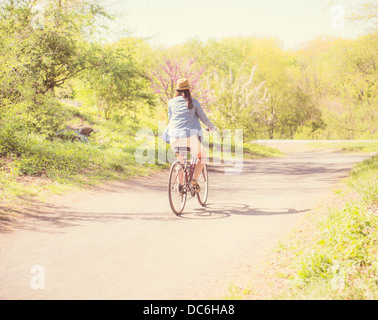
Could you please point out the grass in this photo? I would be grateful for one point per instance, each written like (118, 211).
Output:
(33, 165)
(237, 150)
(253, 150)
(341, 261)
(334, 254)
(364, 180)
(353, 146)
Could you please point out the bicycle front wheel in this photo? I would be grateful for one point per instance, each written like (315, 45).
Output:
(177, 198)
(203, 181)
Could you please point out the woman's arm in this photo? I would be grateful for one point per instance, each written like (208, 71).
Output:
(169, 111)
(202, 116)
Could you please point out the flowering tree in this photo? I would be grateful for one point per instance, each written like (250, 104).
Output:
(239, 103)
(164, 78)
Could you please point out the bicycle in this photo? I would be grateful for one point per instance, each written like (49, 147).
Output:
(183, 171)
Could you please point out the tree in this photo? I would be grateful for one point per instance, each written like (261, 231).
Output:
(366, 13)
(164, 78)
(238, 102)
(44, 43)
(118, 82)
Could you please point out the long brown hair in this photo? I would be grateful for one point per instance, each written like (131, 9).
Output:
(186, 95)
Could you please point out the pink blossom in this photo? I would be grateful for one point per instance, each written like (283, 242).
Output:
(164, 78)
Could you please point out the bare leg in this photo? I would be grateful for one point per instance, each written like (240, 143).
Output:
(200, 164)
(180, 158)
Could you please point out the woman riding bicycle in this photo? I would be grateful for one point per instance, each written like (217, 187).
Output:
(184, 128)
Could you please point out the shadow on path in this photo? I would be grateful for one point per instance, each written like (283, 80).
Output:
(53, 219)
(149, 196)
(224, 210)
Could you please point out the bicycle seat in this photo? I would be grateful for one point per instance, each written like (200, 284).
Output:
(181, 149)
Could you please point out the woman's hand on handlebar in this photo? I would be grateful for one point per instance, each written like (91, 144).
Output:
(210, 130)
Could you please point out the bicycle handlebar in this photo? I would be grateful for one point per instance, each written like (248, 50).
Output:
(210, 130)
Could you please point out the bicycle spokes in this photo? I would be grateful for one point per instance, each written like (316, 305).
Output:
(177, 194)
(180, 186)
(203, 182)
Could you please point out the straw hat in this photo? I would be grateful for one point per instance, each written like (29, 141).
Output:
(182, 84)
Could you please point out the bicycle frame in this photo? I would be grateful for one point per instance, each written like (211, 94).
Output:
(183, 176)
(180, 180)
(191, 166)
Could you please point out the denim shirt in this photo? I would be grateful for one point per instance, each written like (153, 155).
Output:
(184, 122)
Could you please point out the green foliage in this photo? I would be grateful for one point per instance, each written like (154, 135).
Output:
(325, 90)
(105, 155)
(236, 100)
(272, 101)
(119, 82)
(342, 261)
(345, 73)
(48, 52)
(365, 181)
(45, 46)
(42, 115)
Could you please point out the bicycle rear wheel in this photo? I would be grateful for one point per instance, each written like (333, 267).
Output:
(203, 181)
(177, 199)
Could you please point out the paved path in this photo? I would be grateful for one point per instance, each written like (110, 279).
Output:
(120, 241)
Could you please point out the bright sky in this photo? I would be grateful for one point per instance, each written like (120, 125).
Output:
(172, 22)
